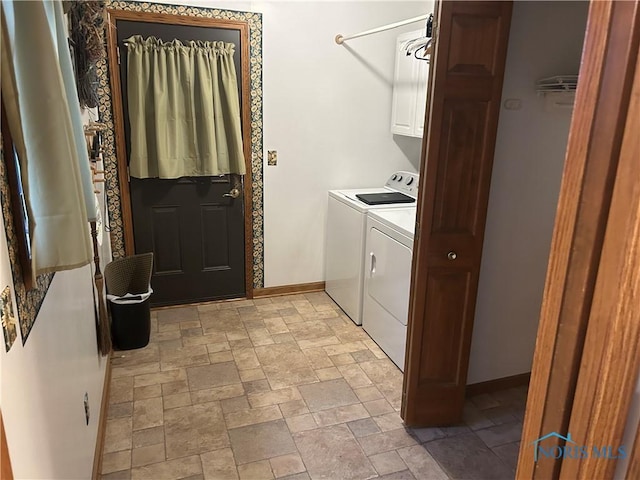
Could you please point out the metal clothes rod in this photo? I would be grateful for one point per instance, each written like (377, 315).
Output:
(340, 39)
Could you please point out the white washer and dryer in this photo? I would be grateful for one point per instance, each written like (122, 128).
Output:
(346, 235)
(389, 247)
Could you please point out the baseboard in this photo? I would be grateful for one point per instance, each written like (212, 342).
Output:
(498, 384)
(188, 303)
(102, 421)
(258, 293)
(288, 289)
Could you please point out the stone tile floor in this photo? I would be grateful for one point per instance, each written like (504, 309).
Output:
(285, 387)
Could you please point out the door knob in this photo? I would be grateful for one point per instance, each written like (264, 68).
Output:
(452, 255)
(233, 193)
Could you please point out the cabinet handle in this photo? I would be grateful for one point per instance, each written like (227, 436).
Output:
(373, 263)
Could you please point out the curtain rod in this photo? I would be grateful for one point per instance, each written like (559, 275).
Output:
(340, 38)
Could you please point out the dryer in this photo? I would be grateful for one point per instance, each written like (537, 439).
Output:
(389, 247)
(346, 230)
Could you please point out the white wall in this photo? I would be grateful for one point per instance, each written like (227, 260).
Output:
(43, 383)
(545, 40)
(327, 111)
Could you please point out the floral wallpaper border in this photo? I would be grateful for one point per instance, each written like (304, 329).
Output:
(106, 116)
(29, 301)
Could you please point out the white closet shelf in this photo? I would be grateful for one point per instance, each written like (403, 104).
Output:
(557, 83)
(559, 91)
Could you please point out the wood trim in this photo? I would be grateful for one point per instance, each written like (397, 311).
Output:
(196, 304)
(633, 468)
(498, 384)
(288, 289)
(118, 125)
(118, 116)
(258, 293)
(102, 421)
(175, 19)
(6, 472)
(246, 143)
(594, 144)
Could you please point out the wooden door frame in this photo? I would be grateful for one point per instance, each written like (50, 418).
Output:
(114, 15)
(585, 364)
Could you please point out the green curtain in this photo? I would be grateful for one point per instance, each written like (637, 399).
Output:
(184, 109)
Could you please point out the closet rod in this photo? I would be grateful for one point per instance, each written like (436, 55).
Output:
(340, 38)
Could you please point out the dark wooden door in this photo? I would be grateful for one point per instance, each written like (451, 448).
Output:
(463, 106)
(195, 232)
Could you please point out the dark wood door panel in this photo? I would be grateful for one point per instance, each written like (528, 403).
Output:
(458, 188)
(463, 105)
(166, 240)
(215, 247)
(477, 33)
(441, 360)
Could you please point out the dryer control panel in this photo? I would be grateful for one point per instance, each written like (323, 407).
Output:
(405, 182)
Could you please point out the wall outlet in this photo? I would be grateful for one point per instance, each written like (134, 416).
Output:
(513, 104)
(87, 413)
(272, 158)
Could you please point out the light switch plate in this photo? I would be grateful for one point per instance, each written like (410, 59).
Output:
(272, 157)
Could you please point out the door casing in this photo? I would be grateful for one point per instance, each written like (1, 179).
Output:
(123, 175)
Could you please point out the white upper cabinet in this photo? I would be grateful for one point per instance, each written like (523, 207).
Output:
(409, 90)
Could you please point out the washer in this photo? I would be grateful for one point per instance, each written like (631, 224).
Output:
(389, 248)
(346, 229)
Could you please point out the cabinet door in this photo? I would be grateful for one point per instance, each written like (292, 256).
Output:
(403, 111)
(421, 96)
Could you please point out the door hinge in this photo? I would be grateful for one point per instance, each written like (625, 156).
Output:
(416, 234)
(118, 54)
(128, 174)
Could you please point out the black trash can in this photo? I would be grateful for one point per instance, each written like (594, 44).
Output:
(130, 324)
(128, 291)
